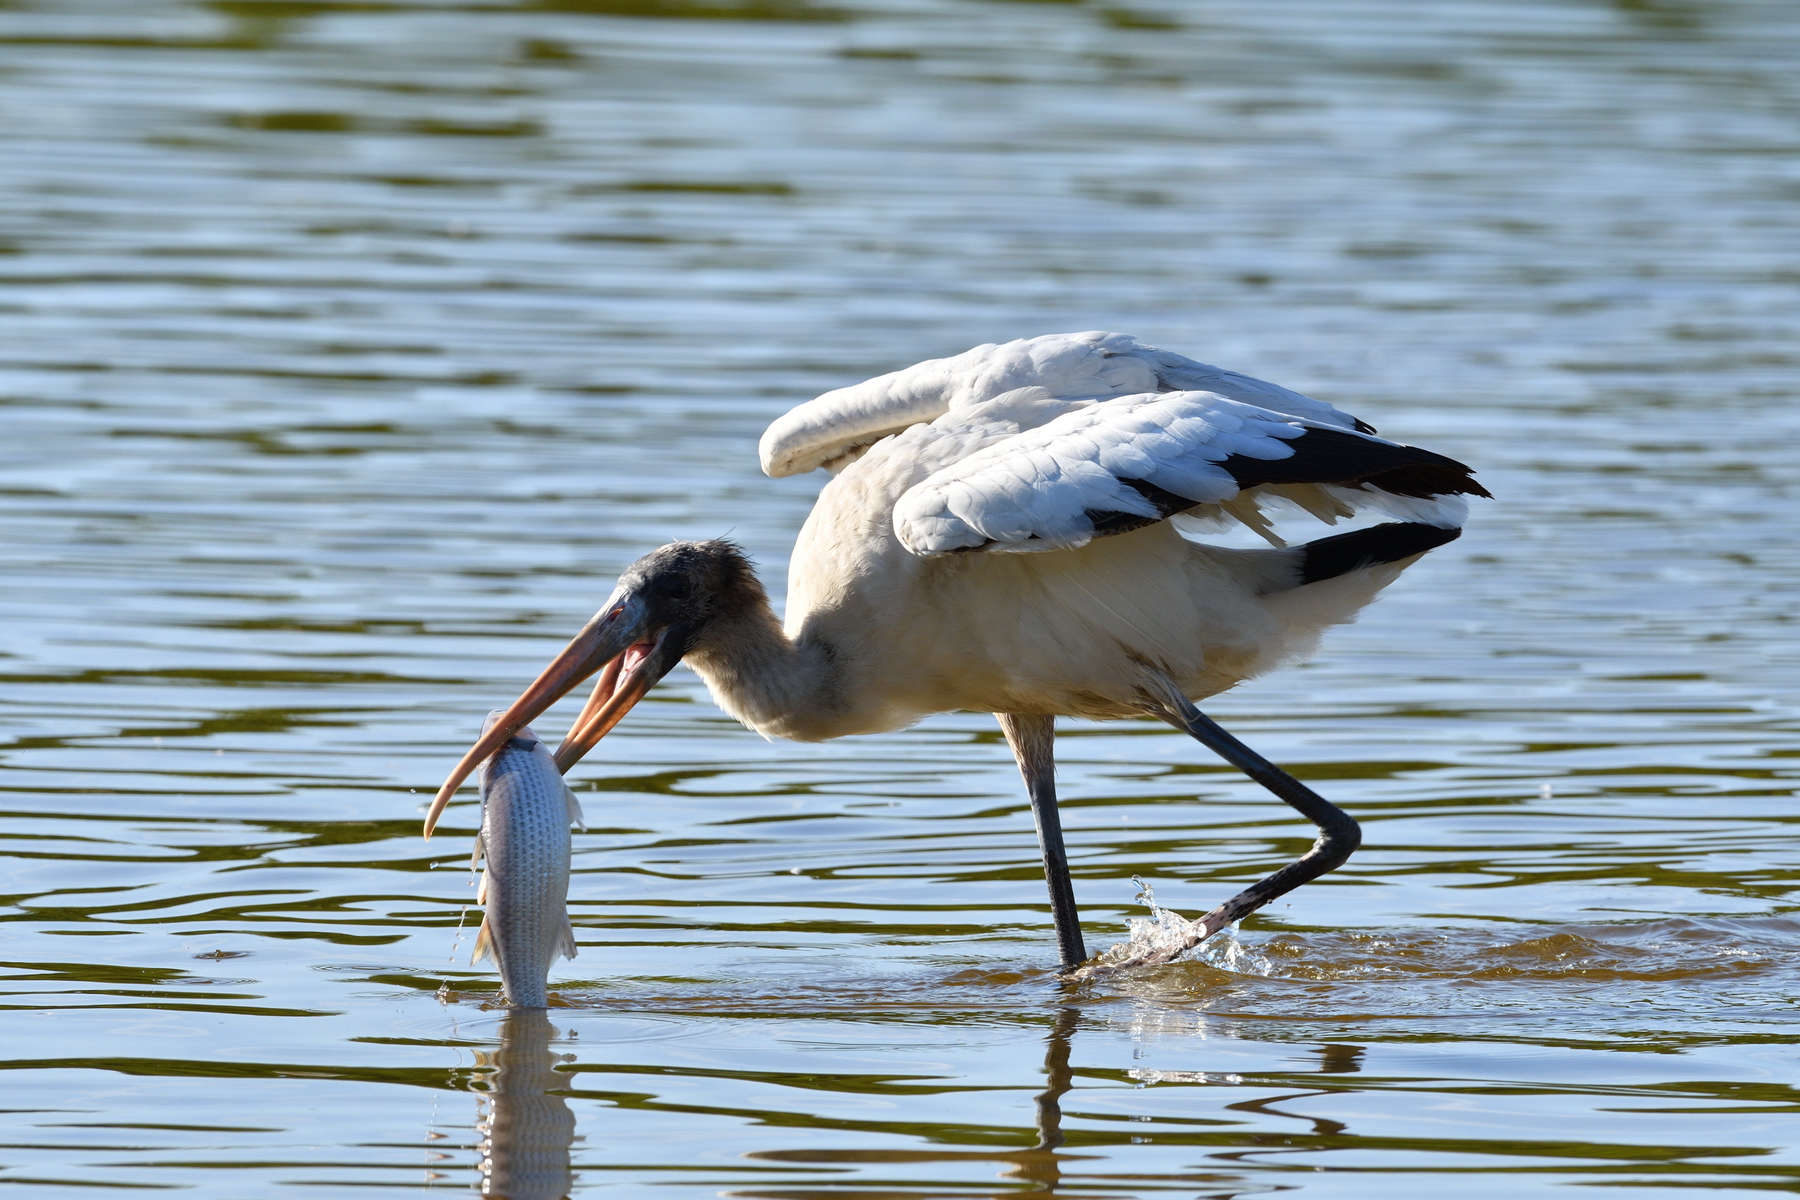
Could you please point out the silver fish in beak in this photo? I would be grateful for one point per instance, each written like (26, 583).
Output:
(526, 811)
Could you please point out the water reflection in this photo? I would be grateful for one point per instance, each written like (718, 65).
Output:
(1040, 1164)
(525, 1130)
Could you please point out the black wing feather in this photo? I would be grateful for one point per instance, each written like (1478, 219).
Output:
(1320, 456)
(1332, 456)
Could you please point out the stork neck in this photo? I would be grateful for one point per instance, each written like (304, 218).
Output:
(776, 685)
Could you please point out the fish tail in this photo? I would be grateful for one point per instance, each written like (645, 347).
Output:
(566, 947)
(484, 942)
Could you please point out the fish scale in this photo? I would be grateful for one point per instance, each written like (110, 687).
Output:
(526, 812)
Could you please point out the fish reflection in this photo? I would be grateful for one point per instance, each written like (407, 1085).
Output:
(525, 1132)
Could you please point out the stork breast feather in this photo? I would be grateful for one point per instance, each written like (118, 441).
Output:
(1041, 485)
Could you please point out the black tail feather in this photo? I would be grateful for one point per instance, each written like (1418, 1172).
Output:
(1330, 557)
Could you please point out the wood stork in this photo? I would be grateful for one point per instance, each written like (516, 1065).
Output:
(1003, 532)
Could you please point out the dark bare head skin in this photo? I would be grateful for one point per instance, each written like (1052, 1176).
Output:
(688, 583)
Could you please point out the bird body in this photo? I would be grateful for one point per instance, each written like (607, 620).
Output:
(1004, 531)
(526, 811)
(957, 564)
(899, 637)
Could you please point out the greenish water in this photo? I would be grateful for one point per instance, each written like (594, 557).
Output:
(348, 350)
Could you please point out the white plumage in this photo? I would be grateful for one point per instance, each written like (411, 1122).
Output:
(1042, 445)
(1068, 366)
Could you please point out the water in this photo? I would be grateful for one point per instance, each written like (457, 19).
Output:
(351, 349)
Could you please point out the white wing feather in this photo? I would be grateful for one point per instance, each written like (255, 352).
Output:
(1068, 366)
(1034, 491)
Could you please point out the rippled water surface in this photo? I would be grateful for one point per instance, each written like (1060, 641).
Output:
(350, 348)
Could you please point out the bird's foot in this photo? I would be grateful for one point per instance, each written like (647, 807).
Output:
(1163, 938)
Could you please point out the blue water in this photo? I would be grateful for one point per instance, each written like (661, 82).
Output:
(349, 350)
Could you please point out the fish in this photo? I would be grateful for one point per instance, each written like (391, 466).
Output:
(526, 812)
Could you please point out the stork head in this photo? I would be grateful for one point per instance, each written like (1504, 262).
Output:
(659, 611)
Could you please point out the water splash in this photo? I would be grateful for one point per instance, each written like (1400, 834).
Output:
(1163, 931)
(1161, 937)
(1225, 952)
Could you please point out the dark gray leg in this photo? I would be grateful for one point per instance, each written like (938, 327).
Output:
(1033, 742)
(1339, 834)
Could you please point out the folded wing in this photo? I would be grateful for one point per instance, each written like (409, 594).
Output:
(1135, 460)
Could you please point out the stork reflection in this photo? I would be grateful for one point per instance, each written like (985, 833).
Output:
(1040, 1164)
(525, 1131)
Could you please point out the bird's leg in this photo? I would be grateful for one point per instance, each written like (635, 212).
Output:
(1339, 834)
(1033, 742)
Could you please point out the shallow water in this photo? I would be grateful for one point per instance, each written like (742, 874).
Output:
(352, 348)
